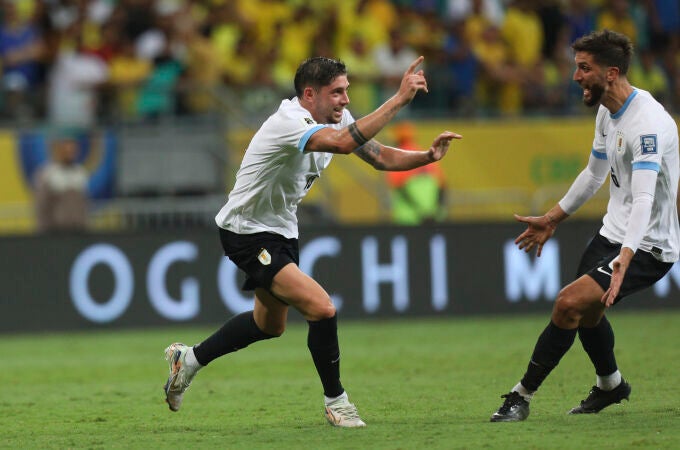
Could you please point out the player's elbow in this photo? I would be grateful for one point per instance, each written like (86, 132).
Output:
(594, 181)
(340, 145)
(379, 165)
(346, 150)
(643, 198)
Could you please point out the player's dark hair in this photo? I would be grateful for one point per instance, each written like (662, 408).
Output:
(608, 48)
(317, 72)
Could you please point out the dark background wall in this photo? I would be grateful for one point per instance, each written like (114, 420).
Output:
(159, 278)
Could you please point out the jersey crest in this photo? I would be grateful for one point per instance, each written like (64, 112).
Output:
(620, 142)
(648, 144)
(264, 257)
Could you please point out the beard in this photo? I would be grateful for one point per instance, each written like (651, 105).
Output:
(596, 92)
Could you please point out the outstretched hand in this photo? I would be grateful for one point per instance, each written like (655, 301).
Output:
(412, 81)
(441, 145)
(538, 231)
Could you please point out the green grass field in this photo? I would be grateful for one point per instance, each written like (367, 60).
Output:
(418, 384)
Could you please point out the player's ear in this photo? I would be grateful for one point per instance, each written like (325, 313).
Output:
(612, 73)
(308, 93)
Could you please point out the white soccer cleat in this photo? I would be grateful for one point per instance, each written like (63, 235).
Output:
(180, 375)
(342, 413)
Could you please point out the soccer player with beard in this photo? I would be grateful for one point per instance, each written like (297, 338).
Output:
(636, 144)
(258, 225)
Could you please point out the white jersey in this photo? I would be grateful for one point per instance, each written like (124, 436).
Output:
(276, 173)
(641, 135)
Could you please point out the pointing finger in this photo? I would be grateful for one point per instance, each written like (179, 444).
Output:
(414, 64)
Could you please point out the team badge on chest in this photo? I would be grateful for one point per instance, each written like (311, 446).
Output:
(620, 142)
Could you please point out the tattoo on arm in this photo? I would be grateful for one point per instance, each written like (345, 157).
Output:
(370, 152)
(372, 147)
(356, 134)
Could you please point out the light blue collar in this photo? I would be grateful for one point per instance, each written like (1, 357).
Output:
(620, 112)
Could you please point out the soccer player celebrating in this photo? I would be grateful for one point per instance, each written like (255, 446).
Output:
(636, 143)
(258, 225)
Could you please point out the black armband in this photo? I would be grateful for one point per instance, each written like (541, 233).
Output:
(359, 138)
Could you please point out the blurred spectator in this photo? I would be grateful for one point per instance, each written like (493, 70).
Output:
(481, 21)
(456, 71)
(22, 51)
(165, 46)
(103, 39)
(364, 73)
(74, 81)
(203, 72)
(98, 34)
(556, 83)
(554, 73)
(523, 31)
(477, 19)
(646, 74)
(370, 19)
(238, 69)
(294, 38)
(554, 24)
(423, 28)
(431, 45)
(157, 95)
(126, 74)
(61, 198)
(616, 16)
(194, 48)
(664, 36)
(498, 85)
(461, 10)
(581, 17)
(234, 47)
(264, 15)
(392, 59)
(418, 196)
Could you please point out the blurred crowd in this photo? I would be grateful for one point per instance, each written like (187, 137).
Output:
(84, 62)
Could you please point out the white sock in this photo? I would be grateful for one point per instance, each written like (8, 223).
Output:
(524, 392)
(329, 400)
(191, 360)
(609, 382)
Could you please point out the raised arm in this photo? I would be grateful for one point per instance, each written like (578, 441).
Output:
(346, 140)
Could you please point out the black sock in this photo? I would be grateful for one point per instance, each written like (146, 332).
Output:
(238, 332)
(322, 341)
(598, 342)
(551, 346)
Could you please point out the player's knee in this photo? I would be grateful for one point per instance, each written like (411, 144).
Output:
(321, 311)
(327, 311)
(568, 306)
(275, 330)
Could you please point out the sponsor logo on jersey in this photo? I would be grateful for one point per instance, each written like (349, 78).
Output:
(264, 257)
(308, 120)
(620, 142)
(648, 144)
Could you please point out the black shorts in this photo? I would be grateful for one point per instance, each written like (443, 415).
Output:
(644, 269)
(259, 255)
